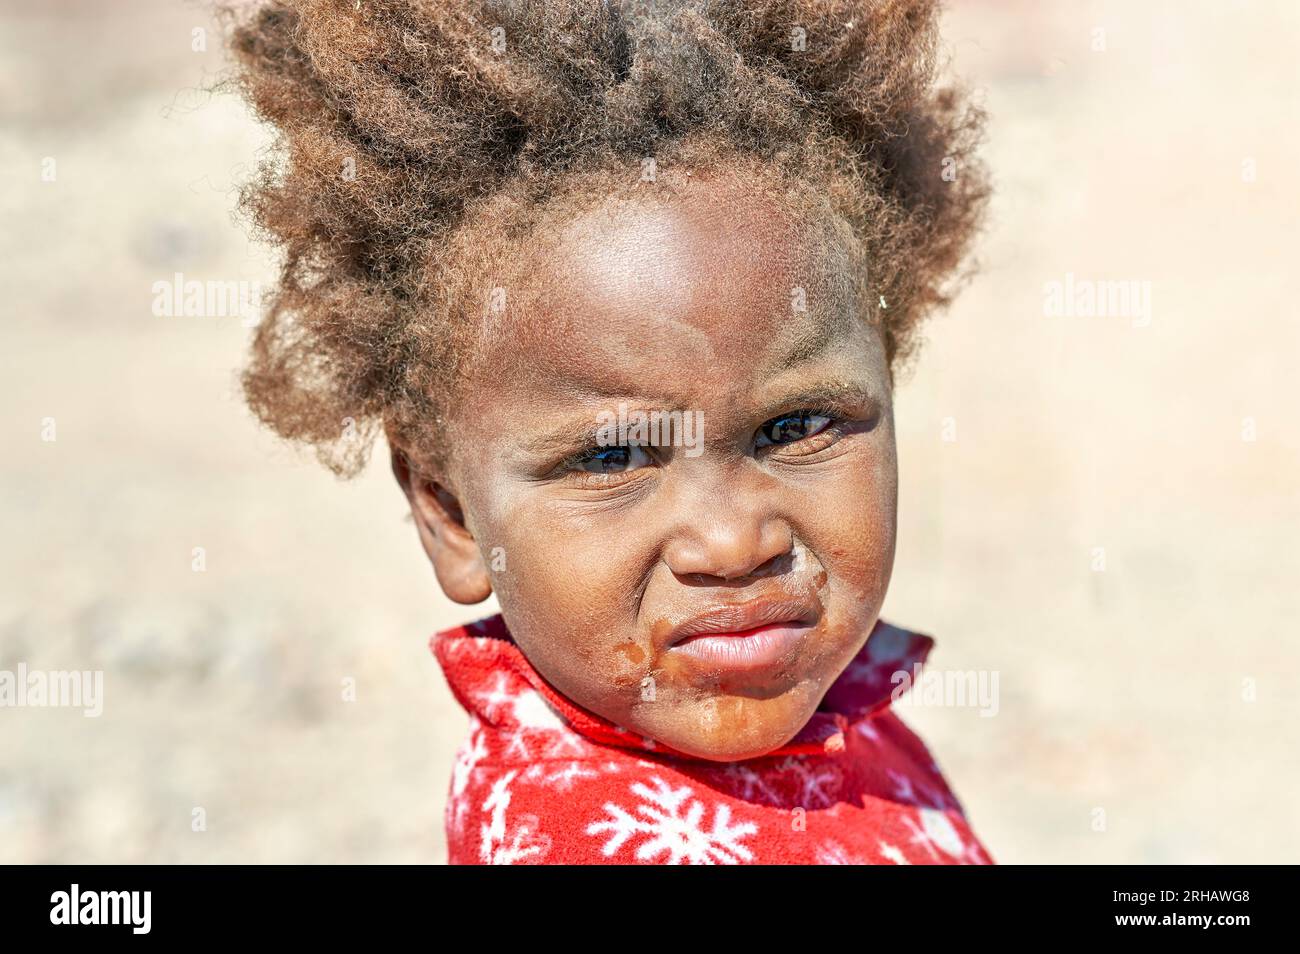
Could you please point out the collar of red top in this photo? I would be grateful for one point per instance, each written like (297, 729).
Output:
(483, 665)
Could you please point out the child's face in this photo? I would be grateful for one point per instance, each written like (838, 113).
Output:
(784, 512)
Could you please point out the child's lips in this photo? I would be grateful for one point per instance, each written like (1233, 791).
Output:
(751, 650)
(739, 618)
(745, 637)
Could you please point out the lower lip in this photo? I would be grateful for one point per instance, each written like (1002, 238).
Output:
(748, 651)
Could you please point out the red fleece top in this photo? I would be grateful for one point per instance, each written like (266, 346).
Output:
(541, 780)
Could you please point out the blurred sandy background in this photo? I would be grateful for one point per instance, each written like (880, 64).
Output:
(1121, 690)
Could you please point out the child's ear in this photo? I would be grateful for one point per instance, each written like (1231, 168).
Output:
(452, 550)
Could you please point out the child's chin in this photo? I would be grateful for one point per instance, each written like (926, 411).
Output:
(731, 729)
(732, 753)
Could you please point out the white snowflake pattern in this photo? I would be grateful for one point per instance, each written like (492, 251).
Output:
(831, 852)
(818, 782)
(517, 748)
(561, 780)
(492, 701)
(532, 711)
(566, 743)
(745, 783)
(508, 845)
(534, 720)
(467, 759)
(670, 826)
(915, 792)
(869, 732)
(936, 831)
(815, 777)
(892, 853)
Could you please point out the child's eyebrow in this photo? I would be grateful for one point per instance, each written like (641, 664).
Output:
(568, 435)
(845, 395)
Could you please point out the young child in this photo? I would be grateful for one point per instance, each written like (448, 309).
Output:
(624, 286)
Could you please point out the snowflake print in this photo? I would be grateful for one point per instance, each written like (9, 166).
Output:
(518, 746)
(745, 783)
(936, 831)
(869, 732)
(532, 711)
(833, 853)
(795, 780)
(562, 780)
(814, 780)
(942, 832)
(915, 792)
(564, 744)
(470, 754)
(520, 843)
(892, 853)
(539, 780)
(669, 823)
(498, 697)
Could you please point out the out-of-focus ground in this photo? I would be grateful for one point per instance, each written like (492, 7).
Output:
(1126, 730)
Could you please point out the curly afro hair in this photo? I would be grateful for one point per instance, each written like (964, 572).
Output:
(417, 136)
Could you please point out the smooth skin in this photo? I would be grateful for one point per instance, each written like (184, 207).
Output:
(597, 553)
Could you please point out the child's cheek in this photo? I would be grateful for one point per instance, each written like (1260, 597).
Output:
(851, 526)
(577, 591)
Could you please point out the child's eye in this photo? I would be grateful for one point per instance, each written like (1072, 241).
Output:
(789, 428)
(610, 460)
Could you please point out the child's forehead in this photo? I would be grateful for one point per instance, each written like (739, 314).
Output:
(666, 245)
(722, 274)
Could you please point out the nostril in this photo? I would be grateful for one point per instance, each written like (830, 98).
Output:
(728, 546)
(778, 565)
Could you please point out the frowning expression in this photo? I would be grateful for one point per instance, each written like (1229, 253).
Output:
(703, 581)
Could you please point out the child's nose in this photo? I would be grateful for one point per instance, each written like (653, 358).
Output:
(728, 545)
